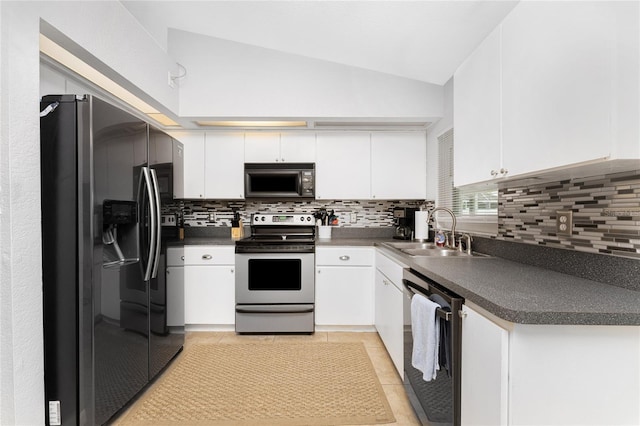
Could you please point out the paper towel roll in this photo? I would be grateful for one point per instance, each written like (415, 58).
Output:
(421, 225)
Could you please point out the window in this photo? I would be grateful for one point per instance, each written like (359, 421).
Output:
(476, 209)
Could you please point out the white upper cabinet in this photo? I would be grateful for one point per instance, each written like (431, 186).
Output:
(399, 165)
(558, 62)
(555, 85)
(476, 106)
(343, 166)
(224, 171)
(298, 147)
(268, 147)
(261, 147)
(193, 186)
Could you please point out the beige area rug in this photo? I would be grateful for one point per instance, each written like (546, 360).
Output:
(266, 384)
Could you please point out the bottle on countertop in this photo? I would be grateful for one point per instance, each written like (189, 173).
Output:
(440, 238)
(180, 225)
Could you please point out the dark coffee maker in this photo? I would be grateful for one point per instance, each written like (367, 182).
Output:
(403, 219)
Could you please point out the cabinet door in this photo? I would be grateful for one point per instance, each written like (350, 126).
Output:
(298, 147)
(485, 362)
(193, 180)
(224, 171)
(343, 166)
(558, 80)
(344, 295)
(399, 165)
(178, 169)
(175, 296)
(262, 147)
(476, 112)
(389, 319)
(209, 295)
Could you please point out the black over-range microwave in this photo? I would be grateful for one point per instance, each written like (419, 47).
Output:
(282, 181)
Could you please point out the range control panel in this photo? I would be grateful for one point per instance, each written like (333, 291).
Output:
(287, 219)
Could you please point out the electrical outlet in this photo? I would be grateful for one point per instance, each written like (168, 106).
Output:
(353, 217)
(564, 222)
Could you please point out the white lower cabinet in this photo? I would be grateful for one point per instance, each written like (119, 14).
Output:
(388, 321)
(344, 286)
(485, 363)
(209, 288)
(175, 286)
(389, 308)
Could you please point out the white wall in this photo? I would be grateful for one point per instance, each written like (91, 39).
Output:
(229, 79)
(435, 130)
(110, 34)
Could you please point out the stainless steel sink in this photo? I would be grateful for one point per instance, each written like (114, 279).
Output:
(417, 249)
(412, 245)
(434, 252)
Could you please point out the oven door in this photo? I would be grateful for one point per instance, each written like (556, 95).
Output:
(275, 278)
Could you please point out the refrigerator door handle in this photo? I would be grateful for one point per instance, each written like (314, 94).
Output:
(153, 217)
(156, 259)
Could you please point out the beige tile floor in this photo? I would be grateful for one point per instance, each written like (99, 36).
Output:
(387, 374)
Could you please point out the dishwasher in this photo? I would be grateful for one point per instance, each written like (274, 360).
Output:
(436, 402)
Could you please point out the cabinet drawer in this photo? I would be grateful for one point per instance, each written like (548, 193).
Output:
(209, 255)
(390, 268)
(344, 256)
(175, 256)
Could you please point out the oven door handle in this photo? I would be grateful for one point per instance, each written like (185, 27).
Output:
(273, 309)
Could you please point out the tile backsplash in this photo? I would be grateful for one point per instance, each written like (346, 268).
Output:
(606, 213)
(219, 213)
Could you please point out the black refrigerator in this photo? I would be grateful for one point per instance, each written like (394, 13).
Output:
(105, 176)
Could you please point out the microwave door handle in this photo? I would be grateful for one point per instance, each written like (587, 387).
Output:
(152, 216)
(156, 259)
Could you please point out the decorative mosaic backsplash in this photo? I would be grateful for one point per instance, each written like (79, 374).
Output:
(219, 213)
(606, 213)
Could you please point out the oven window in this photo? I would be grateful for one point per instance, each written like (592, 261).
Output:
(275, 183)
(275, 274)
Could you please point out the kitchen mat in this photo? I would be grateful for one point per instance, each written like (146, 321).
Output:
(266, 384)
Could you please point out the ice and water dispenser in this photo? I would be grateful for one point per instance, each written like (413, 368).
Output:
(119, 233)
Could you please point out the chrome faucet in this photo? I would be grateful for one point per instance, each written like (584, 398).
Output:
(451, 243)
(468, 243)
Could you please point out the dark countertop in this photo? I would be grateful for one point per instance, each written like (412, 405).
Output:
(513, 291)
(527, 294)
(209, 241)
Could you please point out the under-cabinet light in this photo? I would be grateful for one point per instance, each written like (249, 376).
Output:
(260, 123)
(77, 65)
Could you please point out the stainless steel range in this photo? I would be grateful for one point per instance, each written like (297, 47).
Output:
(275, 280)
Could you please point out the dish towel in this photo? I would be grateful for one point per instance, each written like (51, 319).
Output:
(425, 328)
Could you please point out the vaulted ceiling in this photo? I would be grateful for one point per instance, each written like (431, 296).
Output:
(420, 40)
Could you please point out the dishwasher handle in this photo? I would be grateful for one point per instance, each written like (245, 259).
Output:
(417, 285)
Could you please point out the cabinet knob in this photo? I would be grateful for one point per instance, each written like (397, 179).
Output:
(206, 256)
(462, 314)
(282, 159)
(232, 270)
(277, 160)
(344, 258)
(318, 270)
(181, 257)
(504, 171)
(494, 173)
(385, 282)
